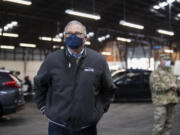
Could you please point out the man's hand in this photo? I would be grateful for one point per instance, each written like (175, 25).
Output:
(174, 86)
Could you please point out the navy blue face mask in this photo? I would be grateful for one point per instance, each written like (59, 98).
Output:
(74, 42)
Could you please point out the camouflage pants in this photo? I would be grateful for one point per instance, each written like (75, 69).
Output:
(163, 119)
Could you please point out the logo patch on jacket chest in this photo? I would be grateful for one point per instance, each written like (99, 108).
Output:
(89, 69)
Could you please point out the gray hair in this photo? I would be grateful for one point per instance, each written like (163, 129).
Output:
(76, 22)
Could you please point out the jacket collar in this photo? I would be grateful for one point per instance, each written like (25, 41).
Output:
(164, 68)
(69, 56)
(78, 56)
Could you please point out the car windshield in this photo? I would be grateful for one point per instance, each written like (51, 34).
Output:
(4, 77)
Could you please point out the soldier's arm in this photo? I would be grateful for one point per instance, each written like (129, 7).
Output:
(178, 83)
(158, 85)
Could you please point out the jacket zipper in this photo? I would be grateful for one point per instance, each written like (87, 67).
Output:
(75, 85)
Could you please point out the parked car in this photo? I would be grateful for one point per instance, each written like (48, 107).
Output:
(11, 94)
(132, 85)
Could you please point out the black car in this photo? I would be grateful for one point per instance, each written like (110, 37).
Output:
(132, 85)
(11, 94)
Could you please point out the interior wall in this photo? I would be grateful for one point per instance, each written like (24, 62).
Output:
(115, 61)
(177, 67)
(30, 68)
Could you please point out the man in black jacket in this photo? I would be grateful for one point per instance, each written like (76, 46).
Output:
(73, 86)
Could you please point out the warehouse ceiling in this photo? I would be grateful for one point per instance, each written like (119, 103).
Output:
(48, 18)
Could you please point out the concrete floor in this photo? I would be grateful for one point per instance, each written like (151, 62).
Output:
(122, 119)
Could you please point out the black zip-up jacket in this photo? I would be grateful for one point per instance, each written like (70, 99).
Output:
(71, 92)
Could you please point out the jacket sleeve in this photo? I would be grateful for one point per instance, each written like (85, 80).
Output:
(178, 83)
(157, 85)
(41, 86)
(108, 87)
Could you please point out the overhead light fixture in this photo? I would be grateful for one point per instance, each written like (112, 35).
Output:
(14, 23)
(168, 51)
(87, 43)
(176, 18)
(6, 28)
(178, 0)
(170, 1)
(100, 39)
(81, 14)
(156, 7)
(163, 4)
(60, 35)
(9, 35)
(62, 47)
(107, 36)
(45, 38)
(165, 32)
(106, 53)
(91, 34)
(27, 45)
(55, 46)
(153, 11)
(7, 47)
(124, 39)
(23, 2)
(103, 37)
(57, 39)
(178, 15)
(50, 39)
(10, 25)
(132, 25)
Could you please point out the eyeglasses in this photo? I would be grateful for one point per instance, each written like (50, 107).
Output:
(78, 34)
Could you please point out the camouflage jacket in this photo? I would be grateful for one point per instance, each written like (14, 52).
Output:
(160, 84)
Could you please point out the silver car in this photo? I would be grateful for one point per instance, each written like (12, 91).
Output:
(11, 94)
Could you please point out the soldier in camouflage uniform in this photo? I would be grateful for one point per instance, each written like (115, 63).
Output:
(164, 96)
